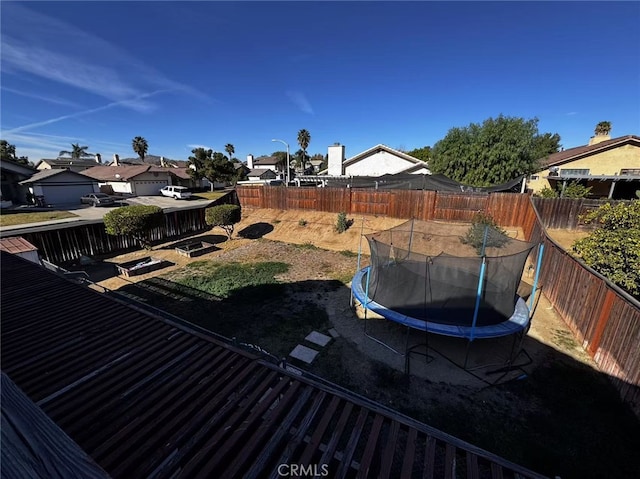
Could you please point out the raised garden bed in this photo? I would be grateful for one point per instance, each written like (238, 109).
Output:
(140, 266)
(195, 248)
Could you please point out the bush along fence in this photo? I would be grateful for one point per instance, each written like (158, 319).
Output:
(603, 318)
(64, 244)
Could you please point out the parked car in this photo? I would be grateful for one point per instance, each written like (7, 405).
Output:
(176, 192)
(97, 199)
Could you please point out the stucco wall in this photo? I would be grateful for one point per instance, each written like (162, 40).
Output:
(377, 164)
(608, 162)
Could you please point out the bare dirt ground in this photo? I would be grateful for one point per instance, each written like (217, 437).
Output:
(530, 416)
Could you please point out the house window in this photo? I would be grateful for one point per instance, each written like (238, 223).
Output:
(574, 172)
(533, 177)
(630, 171)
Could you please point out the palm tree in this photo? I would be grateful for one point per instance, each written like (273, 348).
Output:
(304, 138)
(230, 150)
(603, 128)
(77, 152)
(140, 146)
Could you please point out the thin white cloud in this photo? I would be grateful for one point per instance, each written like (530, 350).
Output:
(49, 99)
(572, 113)
(80, 59)
(128, 101)
(300, 100)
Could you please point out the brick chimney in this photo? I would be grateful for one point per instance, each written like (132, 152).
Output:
(116, 160)
(98, 158)
(336, 159)
(250, 162)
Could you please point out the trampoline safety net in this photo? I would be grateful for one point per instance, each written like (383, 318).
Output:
(431, 271)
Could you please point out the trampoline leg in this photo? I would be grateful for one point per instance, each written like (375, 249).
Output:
(466, 356)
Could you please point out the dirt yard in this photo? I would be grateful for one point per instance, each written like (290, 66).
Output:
(544, 415)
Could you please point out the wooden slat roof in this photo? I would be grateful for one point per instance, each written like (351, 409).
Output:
(146, 397)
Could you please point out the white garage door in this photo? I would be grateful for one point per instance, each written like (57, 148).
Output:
(149, 188)
(65, 194)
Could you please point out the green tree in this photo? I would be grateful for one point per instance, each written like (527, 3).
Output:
(423, 153)
(545, 145)
(213, 166)
(77, 152)
(304, 138)
(137, 221)
(613, 248)
(7, 151)
(494, 152)
(229, 148)
(140, 146)
(301, 159)
(223, 216)
(603, 128)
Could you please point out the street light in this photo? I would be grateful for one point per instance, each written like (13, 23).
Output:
(287, 145)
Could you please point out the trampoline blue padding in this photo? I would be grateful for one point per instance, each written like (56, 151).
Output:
(518, 321)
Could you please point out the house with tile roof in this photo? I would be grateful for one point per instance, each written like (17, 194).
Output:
(58, 187)
(67, 164)
(376, 161)
(610, 166)
(138, 180)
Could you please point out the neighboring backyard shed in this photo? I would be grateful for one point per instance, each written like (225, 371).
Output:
(20, 247)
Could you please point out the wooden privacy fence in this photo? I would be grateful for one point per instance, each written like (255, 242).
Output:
(565, 213)
(604, 319)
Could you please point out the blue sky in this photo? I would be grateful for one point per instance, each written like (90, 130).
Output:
(187, 74)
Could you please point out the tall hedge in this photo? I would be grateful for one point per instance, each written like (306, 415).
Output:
(137, 221)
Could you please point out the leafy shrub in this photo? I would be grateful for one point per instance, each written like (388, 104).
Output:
(576, 190)
(223, 216)
(547, 192)
(495, 236)
(137, 221)
(613, 248)
(342, 223)
(572, 190)
(302, 223)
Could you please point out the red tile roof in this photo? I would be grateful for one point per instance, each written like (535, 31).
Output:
(108, 173)
(146, 396)
(586, 150)
(15, 245)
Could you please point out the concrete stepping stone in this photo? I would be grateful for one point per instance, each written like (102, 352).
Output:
(334, 334)
(318, 338)
(303, 353)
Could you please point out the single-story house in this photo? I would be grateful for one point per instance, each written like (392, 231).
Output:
(610, 166)
(140, 180)
(258, 174)
(376, 161)
(67, 164)
(11, 174)
(60, 187)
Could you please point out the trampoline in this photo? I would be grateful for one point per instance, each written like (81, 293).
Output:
(457, 280)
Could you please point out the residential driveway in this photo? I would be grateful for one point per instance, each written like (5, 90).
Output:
(165, 202)
(93, 213)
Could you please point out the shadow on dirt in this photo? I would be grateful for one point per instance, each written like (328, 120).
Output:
(256, 230)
